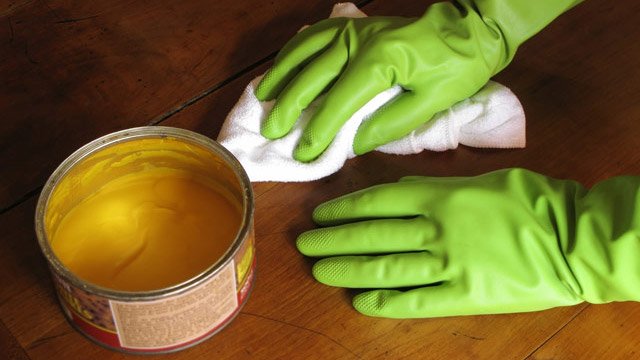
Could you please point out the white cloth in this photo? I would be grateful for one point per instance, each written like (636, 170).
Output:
(492, 118)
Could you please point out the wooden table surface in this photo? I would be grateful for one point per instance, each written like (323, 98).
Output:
(73, 70)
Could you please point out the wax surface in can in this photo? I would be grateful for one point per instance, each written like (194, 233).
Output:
(147, 231)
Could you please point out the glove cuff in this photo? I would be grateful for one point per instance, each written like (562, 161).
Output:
(510, 23)
(605, 258)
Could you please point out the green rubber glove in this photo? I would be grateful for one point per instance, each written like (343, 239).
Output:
(441, 58)
(507, 241)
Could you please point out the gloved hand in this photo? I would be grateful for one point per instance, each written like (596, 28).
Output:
(507, 241)
(439, 59)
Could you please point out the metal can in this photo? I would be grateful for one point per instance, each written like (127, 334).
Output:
(173, 317)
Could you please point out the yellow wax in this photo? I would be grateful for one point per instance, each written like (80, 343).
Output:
(147, 231)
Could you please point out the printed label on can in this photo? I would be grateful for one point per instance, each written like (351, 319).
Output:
(179, 319)
(170, 323)
(89, 312)
(244, 260)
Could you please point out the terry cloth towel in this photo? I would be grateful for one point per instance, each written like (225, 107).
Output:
(492, 118)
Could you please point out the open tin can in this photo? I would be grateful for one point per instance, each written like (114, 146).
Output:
(173, 314)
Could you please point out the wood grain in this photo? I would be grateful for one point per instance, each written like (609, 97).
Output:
(603, 332)
(75, 70)
(9, 346)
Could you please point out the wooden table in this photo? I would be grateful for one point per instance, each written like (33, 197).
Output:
(73, 70)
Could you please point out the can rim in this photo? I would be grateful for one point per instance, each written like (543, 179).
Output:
(125, 136)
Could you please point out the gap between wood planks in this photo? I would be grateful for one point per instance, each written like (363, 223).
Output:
(10, 345)
(553, 335)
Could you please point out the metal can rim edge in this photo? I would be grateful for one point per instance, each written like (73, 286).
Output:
(128, 135)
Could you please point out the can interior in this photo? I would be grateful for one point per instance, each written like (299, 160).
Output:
(120, 159)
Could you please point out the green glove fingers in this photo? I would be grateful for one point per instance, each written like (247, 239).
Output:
(427, 301)
(507, 241)
(392, 200)
(340, 103)
(439, 59)
(433, 301)
(299, 51)
(396, 119)
(370, 237)
(301, 91)
(384, 271)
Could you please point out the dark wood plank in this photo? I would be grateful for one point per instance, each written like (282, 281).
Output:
(9, 347)
(74, 70)
(25, 278)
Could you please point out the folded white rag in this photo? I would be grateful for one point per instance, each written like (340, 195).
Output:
(492, 118)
